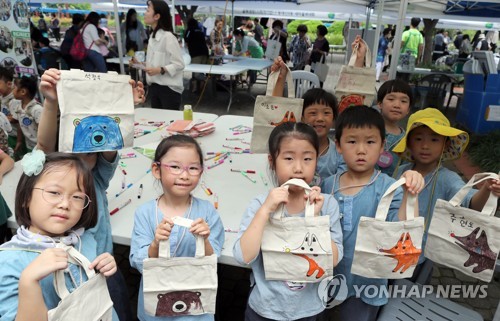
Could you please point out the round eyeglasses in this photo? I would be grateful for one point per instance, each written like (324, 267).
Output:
(54, 195)
(178, 169)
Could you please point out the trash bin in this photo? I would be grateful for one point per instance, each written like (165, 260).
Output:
(480, 110)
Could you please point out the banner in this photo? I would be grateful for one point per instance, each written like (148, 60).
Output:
(16, 51)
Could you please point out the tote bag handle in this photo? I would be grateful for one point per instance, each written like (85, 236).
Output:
(74, 257)
(385, 202)
(309, 208)
(368, 55)
(273, 79)
(164, 248)
(491, 204)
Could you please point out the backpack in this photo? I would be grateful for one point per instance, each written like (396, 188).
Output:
(78, 51)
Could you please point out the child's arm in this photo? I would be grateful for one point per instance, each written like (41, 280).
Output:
(20, 138)
(414, 184)
(31, 306)
(479, 199)
(6, 164)
(279, 66)
(251, 239)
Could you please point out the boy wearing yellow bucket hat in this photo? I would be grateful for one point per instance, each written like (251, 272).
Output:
(429, 141)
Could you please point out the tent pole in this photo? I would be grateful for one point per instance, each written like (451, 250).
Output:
(173, 15)
(377, 33)
(397, 39)
(118, 36)
(232, 15)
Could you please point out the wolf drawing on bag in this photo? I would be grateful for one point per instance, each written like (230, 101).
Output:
(310, 244)
(478, 249)
(404, 252)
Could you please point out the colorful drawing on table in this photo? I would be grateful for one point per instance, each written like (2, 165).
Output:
(97, 133)
(350, 100)
(310, 244)
(404, 252)
(478, 249)
(148, 152)
(179, 303)
(288, 117)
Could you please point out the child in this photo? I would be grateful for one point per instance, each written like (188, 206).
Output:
(320, 110)
(103, 46)
(359, 135)
(103, 167)
(394, 99)
(6, 95)
(55, 203)
(429, 141)
(6, 164)
(27, 111)
(293, 153)
(177, 165)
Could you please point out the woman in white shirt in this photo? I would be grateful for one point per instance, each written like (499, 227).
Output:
(94, 62)
(164, 62)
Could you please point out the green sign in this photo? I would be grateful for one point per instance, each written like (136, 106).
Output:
(331, 15)
(488, 25)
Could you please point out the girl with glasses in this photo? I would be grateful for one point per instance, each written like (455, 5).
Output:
(55, 204)
(178, 165)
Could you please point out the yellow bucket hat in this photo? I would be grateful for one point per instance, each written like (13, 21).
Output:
(436, 121)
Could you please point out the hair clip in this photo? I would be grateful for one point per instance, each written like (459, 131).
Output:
(33, 162)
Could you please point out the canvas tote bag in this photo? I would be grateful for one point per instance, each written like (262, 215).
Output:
(297, 249)
(97, 111)
(273, 49)
(320, 69)
(388, 250)
(465, 239)
(177, 286)
(270, 111)
(89, 302)
(356, 86)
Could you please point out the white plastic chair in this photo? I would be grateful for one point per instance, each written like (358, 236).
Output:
(303, 81)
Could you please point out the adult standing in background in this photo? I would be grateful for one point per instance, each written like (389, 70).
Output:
(439, 45)
(164, 62)
(465, 48)
(133, 33)
(280, 35)
(198, 50)
(321, 47)
(248, 44)
(55, 27)
(299, 48)
(217, 38)
(258, 31)
(94, 62)
(42, 26)
(413, 40)
(383, 45)
(458, 40)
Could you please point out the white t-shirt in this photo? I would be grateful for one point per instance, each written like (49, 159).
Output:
(28, 118)
(90, 35)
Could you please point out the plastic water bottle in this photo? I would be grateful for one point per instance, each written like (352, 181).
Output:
(188, 112)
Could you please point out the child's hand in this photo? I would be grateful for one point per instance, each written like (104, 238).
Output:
(276, 197)
(48, 84)
(137, 91)
(163, 230)
(200, 227)
(360, 55)
(316, 198)
(414, 181)
(49, 261)
(493, 185)
(280, 65)
(105, 264)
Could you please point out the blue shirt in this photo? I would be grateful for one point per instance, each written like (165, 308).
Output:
(14, 262)
(391, 140)
(330, 163)
(182, 244)
(280, 300)
(103, 172)
(383, 44)
(352, 207)
(447, 184)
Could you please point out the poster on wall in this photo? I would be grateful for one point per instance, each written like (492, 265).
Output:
(16, 50)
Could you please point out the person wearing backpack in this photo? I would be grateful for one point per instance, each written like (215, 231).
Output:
(69, 36)
(94, 61)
